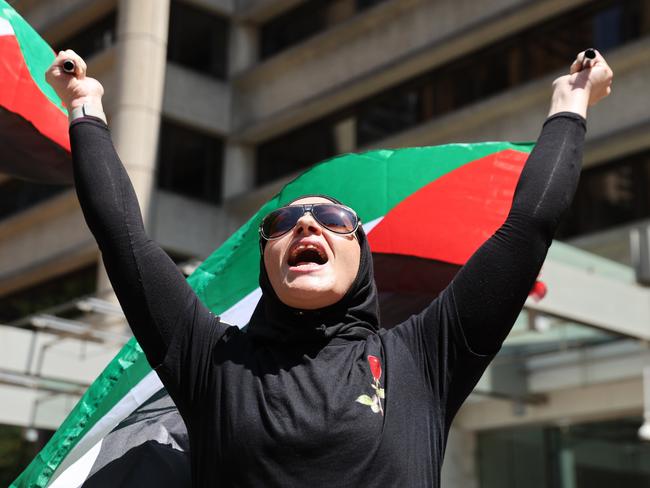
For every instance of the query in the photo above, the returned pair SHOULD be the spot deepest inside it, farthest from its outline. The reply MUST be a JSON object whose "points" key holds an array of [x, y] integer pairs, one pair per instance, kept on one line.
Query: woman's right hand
{"points": [[74, 89]]}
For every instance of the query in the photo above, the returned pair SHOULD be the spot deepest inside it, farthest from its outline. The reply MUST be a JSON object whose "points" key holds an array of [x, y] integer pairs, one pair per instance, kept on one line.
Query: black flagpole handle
{"points": [[69, 66], [589, 55]]}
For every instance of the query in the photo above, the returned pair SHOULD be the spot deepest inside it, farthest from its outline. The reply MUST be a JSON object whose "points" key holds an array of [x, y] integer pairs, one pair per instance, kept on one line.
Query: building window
{"points": [[190, 162], [390, 113], [299, 149], [307, 20], [198, 40], [93, 38], [521, 58], [494, 69], [50, 293], [18, 195], [591, 455], [609, 195]]}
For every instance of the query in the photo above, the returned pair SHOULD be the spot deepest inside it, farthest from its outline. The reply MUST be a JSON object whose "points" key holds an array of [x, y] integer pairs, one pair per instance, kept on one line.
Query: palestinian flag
{"points": [[426, 210], [34, 141]]}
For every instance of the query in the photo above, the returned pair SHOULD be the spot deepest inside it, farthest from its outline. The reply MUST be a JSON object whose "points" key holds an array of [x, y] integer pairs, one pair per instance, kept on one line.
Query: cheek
{"points": [[349, 263], [272, 259]]}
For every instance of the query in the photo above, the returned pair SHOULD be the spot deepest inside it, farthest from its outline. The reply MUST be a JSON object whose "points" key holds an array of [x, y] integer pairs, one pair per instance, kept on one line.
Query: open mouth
{"points": [[307, 254]]}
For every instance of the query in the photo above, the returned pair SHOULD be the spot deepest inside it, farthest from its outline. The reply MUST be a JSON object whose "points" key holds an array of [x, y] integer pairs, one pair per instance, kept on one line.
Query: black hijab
{"points": [[355, 316]]}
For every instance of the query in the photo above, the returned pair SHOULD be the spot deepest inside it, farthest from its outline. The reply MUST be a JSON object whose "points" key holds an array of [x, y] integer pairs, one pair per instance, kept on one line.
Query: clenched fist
{"points": [[588, 82], [74, 89]]}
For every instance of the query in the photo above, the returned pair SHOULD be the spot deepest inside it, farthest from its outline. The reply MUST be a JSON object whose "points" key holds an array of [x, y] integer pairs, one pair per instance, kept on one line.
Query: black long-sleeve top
{"points": [[270, 415]]}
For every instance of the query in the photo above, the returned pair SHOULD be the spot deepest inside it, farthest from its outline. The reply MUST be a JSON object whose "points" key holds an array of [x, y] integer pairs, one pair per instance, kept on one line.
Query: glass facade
{"points": [[295, 150], [198, 40], [605, 454], [190, 162], [18, 195], [306, 20]]}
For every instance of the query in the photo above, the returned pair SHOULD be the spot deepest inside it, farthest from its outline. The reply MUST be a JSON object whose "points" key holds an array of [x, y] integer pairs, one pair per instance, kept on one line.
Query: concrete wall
{"points": [[48, 239], [55, 357], [188, 226], [576, 404], [208, 105]]}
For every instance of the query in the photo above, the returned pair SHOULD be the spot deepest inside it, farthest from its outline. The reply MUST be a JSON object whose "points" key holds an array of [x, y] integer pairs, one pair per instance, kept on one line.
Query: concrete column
{"points": [[243, 47], [238, 169], [459, 467], [141, 53], [568, 468], [239, 159], [345, 135]]}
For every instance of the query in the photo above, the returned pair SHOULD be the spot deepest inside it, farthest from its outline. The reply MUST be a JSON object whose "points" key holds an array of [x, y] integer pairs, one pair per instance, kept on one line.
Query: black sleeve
{"points": [[490, 290], [462, 330], [159, 305]]}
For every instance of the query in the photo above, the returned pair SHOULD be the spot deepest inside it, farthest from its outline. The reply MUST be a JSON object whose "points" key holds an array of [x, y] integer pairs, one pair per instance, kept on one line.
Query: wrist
{"points": [[569, 97], [91, 107], [94, 101]]}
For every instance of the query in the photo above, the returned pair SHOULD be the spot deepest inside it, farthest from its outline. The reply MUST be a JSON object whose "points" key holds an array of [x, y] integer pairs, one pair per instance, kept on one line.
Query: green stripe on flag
{"points": [[37, 53]]}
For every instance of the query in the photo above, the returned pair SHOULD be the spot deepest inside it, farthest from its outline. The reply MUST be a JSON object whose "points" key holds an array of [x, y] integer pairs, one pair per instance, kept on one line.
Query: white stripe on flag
{"points": [[75, 475], [5, 28], [240, 313], [139, 394], [368, 226]]}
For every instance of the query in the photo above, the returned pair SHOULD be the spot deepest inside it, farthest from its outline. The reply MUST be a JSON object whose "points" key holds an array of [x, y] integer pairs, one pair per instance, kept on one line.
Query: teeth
{"points": [[307, 247]]}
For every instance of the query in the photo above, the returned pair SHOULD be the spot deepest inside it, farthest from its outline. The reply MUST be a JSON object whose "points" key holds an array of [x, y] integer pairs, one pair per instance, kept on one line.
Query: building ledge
{"points": [[259, 124]]}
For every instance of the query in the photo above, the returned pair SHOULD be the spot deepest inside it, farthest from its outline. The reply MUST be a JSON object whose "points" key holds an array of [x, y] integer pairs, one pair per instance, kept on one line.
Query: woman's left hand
{"points": [[588, 82]]}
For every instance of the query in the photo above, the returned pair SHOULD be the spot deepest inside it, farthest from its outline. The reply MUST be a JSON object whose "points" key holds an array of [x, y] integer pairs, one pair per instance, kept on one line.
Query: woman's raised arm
{"points": [[157, 301], [490, 290], [455, 338]]}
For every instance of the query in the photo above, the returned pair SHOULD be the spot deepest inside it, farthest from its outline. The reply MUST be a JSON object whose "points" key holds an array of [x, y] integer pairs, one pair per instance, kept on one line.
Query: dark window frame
{"points": [[305, 21], [48, 293], [208, 186], [18, 195], [203, 48]]}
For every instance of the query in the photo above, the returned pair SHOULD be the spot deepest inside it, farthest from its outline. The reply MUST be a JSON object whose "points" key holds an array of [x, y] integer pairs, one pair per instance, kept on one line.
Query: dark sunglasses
{"points": [[335, 218]]}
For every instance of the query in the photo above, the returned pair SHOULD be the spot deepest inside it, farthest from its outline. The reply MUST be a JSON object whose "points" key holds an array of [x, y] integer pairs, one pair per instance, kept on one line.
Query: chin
{"points": [[309, 294]]}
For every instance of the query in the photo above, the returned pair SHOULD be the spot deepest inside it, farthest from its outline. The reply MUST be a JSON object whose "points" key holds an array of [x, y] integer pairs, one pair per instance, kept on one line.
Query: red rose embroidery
{"points": [[375, 367], [374, 401]]}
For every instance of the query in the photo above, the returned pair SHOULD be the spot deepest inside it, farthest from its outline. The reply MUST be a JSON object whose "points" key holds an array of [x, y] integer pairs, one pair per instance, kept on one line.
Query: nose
{"points": [[308, 225]]}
